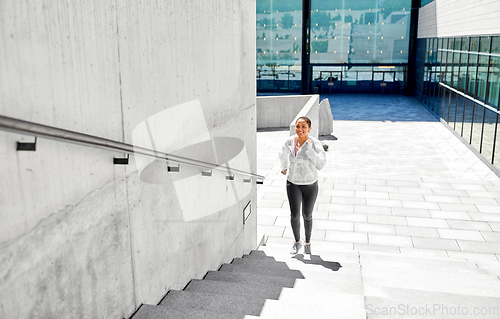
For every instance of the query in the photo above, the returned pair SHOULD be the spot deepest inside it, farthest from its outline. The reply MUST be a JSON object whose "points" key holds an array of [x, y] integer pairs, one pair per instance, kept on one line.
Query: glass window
{"points": [[368, 31], [474, 44], [449, 63], [465, 44], [484, 46], [477, 126], [482, 75], [494, 82], [471, 79], [490, 122], [462, 76], [455, 69], [495, 45], [279, 45]]}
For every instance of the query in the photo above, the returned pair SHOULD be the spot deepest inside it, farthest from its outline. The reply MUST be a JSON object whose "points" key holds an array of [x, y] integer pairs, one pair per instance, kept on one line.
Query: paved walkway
{"points": [[404, 202]]}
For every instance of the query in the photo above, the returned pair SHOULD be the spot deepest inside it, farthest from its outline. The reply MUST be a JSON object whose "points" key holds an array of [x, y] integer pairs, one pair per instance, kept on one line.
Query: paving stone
{"points": [[483, 194], [388, 220], [479, 247], [348, 200], [415, 212], [413, 190], [426, 222], [485, 217], [474, 257], [458, 207], [468, 224], [417, 231], [493, 209], [383, 202], [370, 210], [461, 234], [435, 185], [425, 253], [449, 192], [445, 214], [349, 237], [347, 217], [389, 240], [337, 193], [420, 205], [376, 248], [406, 197], [435, 243], [334, 225], [480, 201], [374, 228], [366, 194], [336, 208]]}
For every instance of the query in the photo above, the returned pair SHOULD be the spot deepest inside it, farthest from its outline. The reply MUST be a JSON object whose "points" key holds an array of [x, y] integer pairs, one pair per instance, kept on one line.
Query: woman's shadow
{"points": [[317, 260]]}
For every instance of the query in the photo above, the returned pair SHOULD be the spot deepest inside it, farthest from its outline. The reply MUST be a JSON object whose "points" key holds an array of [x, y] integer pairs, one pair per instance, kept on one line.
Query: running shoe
{"points": [[307, 248], [295, 248]]}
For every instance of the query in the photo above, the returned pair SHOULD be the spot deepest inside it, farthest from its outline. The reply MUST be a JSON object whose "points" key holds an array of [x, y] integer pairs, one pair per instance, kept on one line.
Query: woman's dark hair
{"points": [[305, 118]]}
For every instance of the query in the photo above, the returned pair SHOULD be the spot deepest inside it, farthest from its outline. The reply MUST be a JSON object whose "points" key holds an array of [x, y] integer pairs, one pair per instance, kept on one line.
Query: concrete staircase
{"points": [[333, 283], [234, 291]]}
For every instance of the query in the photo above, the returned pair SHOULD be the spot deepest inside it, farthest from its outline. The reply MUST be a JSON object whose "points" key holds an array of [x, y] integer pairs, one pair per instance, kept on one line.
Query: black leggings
{"points": [[307, 195]]}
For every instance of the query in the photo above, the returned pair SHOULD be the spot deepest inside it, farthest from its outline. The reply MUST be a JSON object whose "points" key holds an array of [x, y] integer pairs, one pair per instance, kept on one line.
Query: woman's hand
{"points": [[309, 144], [284, 172]]}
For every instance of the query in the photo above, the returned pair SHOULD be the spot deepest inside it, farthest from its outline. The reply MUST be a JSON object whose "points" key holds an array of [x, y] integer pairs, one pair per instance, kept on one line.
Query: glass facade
{"points": [[279, 45], [352, 46], [460, 83]]}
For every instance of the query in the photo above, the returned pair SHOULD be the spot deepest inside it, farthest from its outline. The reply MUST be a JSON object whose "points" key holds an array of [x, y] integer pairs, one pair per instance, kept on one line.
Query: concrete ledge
{"points": [[283, 111]]}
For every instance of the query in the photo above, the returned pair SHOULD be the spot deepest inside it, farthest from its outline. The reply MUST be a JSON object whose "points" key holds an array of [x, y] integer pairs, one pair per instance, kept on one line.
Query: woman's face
{"points": [[301, 128]]}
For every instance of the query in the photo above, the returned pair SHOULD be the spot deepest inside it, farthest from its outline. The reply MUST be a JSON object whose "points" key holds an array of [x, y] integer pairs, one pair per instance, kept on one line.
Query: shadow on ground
{"points": [[317, 260]]}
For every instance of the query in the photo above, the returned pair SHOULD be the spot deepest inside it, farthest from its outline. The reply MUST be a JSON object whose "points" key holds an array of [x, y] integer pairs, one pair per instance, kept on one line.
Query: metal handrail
{"points": [[58, 134]]}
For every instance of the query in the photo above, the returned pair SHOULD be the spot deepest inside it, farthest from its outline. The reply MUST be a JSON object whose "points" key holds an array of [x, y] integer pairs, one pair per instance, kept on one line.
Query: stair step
{"points": [[257, 253], [234, 304], [249, 278], [264, 263], [157, 312], [267, 291], [262, 271]]}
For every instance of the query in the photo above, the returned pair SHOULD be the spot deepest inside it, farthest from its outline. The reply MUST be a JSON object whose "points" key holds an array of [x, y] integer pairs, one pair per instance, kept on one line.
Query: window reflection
{"points": [[494, 82], [279, 45], [361, 32]]}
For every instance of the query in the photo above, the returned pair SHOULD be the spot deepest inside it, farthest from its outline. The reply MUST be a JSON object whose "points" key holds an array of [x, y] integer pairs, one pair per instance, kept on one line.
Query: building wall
{"points": [[81, 237], [455, 18]]}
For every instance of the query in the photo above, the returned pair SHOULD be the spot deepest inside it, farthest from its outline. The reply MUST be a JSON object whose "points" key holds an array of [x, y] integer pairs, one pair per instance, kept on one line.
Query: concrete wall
{"points": [[283, 111], [81, 237], [279, 111], [310, 110], [451, 18]]}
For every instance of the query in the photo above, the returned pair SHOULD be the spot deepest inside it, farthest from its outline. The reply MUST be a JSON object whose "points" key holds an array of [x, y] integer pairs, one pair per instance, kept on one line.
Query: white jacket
{"points": [[303, 167]]}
